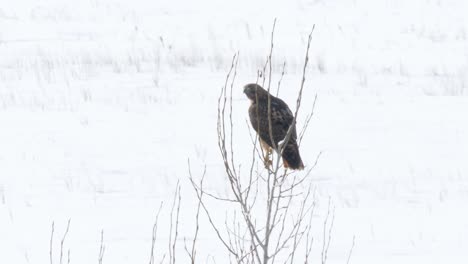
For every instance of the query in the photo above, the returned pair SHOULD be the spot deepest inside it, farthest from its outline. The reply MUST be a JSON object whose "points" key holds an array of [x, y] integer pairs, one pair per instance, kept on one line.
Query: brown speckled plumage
{"points": [[281, 119]]}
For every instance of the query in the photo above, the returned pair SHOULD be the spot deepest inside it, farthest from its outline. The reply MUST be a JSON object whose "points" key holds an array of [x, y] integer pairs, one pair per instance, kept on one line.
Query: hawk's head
{"points": [[254, 91]]}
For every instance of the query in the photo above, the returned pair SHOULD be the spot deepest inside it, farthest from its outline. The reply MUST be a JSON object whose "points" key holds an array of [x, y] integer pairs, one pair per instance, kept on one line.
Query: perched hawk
{"points": [[281, 119]]}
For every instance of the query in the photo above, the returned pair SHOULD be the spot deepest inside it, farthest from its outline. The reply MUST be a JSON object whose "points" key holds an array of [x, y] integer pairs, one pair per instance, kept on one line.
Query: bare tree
{"points": [[273, 206]]}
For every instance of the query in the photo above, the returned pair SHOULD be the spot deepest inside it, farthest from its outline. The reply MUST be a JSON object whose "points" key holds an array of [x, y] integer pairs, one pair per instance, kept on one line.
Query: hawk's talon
{"points": [[267, 162]]}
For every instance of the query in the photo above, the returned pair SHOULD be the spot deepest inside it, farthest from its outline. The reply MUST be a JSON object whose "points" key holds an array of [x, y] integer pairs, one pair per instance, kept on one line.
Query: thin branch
{"points": [[351, 251], [270, 129], [230, 115], [154, 234], [163, 258], [326, 242], [176, 202], [281, 79], [63, 240], [218, 233], [309, 238], [192, 253], [51, 243], [210, 194], [299, 97], [306, 124], [102, 248]]}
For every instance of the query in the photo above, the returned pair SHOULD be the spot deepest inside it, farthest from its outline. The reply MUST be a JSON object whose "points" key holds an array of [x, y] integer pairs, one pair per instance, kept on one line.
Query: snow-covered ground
{"points": [[103, 102]]}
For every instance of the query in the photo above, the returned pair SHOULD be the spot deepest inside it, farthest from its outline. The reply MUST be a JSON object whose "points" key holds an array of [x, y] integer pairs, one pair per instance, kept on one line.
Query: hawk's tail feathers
{"points": [[291, 157]]}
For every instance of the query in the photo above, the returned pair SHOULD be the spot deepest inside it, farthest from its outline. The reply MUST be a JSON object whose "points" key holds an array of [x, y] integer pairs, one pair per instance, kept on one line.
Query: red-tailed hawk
{"points": [[281, 119]]}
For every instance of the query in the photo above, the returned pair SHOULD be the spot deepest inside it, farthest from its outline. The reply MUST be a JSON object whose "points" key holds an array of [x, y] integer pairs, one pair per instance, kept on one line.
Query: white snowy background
{"points": [[102, 102]]}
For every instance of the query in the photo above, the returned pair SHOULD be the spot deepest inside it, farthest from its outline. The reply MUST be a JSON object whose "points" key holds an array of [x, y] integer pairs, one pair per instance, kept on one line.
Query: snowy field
{"points": [[103, 102]]}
